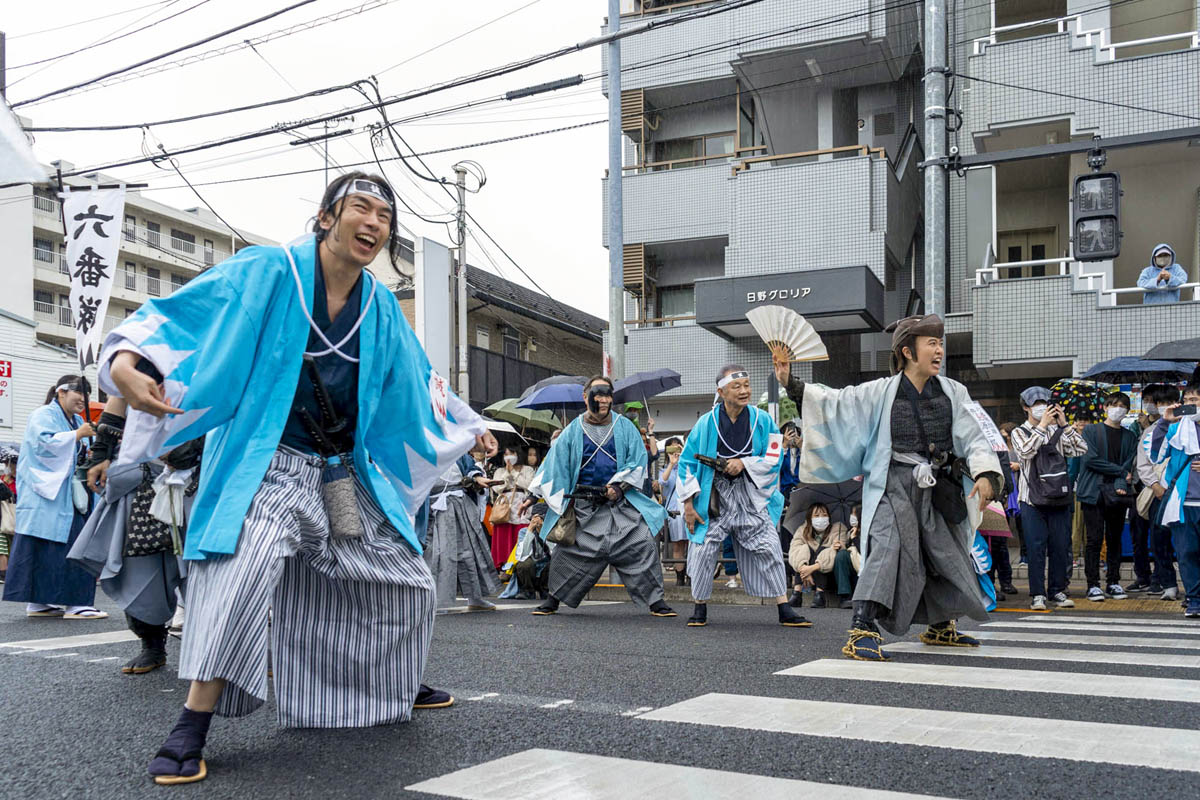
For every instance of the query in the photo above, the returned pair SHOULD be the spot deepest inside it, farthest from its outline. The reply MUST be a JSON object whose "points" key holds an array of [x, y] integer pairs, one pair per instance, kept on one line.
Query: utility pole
{"points": [[463, 386], [936, 178], [3, 71], [616, 228]]}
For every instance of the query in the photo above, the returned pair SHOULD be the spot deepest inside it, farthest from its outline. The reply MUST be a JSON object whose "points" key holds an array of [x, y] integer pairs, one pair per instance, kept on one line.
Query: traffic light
{"points": [[1096, 216]]}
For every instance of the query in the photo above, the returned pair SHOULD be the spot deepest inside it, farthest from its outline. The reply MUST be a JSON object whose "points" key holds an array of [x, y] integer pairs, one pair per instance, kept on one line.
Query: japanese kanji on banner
{"points": [[93, 221]]}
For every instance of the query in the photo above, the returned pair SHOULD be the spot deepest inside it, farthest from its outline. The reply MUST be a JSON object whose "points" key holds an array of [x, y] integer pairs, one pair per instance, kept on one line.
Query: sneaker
{"points": [[1170, 594], [732, 583], [1095, 594], [1154, 589], [846, 601], [1039, 603], [1116, 592], [1193, 609], [1008, 588], [1062, 601], [1022, 562]]}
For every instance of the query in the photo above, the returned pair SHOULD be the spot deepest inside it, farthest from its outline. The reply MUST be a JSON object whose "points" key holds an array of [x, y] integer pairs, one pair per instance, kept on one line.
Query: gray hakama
{"points": [[607, 534], [458, 552], [351, 619], [755, 543], [144, 587], [916, 567]]}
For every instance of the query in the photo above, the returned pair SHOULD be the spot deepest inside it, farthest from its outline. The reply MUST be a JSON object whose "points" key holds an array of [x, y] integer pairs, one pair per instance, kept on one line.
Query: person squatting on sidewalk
{"points": [[591, 482], [729, 485], [914, 439], [327, 427]]}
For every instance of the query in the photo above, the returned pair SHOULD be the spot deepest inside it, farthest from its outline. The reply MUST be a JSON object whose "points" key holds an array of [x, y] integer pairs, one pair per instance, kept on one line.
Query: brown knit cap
{"points": [[930, 325]]}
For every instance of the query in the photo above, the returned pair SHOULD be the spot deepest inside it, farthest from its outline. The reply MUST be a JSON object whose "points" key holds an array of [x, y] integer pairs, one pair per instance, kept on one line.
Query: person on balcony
{"points": [[1163, 277]]}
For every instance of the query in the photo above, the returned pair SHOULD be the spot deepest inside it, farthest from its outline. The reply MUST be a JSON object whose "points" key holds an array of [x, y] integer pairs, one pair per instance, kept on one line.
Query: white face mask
{"points": [[853, 521], [820, 523], [1150, 409], [1038, 411], [1116, 414], [510, 460]]}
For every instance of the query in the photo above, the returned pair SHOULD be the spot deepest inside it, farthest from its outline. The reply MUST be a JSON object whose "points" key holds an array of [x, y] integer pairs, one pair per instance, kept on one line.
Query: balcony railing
{"points": [[1084, 281], [641, 8], [45, 204], [1099, 37], [123, 280], [836, 152], [48, 312]]}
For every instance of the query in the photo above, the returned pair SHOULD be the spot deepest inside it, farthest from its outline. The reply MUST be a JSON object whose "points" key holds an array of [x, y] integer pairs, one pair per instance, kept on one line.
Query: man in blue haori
{"points": [[921, 445], [729, 485], [326, 429], [597, 514]]}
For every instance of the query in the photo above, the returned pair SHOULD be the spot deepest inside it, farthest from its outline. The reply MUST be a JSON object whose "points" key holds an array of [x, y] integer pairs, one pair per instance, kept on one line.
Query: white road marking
{"points": [[485, 696], [1053, 654], [558, 775], [62, 655], [1099, 742], [106, 658], [635, 712], [1082, 683], [520, 606], [1177, 619], [1093, 628], [1069, 638], [82, 640], [558, 704]]}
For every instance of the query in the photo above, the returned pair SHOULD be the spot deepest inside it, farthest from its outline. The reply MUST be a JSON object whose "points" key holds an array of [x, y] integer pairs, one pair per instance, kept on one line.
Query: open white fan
{"points": [[789, 336]]}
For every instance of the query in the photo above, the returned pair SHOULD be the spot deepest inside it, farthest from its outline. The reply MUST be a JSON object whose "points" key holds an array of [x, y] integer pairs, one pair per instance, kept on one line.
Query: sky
{"points": [[542, 200]]}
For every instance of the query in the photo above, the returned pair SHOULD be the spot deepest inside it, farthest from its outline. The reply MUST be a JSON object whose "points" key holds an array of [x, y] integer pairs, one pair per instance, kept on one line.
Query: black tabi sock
{"points": [[185, 743]]}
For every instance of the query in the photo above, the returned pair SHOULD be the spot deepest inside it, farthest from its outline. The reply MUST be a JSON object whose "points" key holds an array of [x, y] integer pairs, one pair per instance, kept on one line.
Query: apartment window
{"points": [[153, 234], [512, 346], [693, 151], [483, 337], [43, 301], [675, 302], [64, 311], [176, 281], [153, 287], [62, 259], [43, 250], [209, 253], [183, 241], [130, 228], [131, 276]]}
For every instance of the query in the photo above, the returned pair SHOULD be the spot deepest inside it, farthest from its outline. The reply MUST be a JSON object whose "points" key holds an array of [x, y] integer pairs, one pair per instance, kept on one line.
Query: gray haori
{"points": [[755, 544], [348, 621], [607, 534]]}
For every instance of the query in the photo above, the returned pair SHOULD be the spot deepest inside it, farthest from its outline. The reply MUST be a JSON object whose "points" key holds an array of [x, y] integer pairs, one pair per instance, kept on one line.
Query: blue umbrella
{"points": [[642, 385], [1128, 369], [555, 396]]}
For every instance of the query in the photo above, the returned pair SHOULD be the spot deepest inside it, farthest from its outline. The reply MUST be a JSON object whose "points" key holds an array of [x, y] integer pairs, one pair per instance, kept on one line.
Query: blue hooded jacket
{"points": [[1159, 291]]}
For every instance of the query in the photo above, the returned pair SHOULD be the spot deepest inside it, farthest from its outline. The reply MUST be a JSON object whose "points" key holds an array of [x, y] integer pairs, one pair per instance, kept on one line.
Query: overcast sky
{"points": [[542, 201]]}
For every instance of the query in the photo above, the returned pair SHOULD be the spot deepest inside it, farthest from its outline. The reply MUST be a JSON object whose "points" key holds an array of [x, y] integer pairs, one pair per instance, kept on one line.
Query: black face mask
{"points": [[597, 390]]}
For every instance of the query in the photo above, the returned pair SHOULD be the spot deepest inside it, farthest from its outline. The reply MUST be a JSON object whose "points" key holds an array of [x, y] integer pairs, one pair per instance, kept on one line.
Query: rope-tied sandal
{"points": [[947, 635], [864, 645]]}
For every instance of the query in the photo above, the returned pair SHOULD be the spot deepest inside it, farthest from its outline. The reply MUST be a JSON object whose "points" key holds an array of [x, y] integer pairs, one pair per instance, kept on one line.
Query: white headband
{"points": [[69, 387], [360, 186], [730, 378]]}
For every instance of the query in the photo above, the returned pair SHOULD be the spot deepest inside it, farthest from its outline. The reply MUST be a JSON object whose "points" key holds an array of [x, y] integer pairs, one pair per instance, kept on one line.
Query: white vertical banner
{"points": [[93, 220]]}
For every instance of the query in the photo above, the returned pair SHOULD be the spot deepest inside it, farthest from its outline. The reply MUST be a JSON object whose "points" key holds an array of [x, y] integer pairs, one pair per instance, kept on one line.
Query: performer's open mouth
{"points": [[366, 240]]}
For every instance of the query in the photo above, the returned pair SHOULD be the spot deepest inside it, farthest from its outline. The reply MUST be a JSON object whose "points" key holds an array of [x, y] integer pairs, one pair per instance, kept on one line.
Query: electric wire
{"points": [[455, 38], [57, 28]]}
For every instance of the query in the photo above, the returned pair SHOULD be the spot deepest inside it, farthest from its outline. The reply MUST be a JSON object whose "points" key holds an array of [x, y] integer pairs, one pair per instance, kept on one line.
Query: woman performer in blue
{"points": [[286, 356], [52, 507], [917, 441]]}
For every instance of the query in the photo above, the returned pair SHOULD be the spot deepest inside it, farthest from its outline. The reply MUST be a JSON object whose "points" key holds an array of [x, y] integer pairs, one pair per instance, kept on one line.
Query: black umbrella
{"points": [[839, 498], [642, 385], [1179, 350], [1128, 369]]}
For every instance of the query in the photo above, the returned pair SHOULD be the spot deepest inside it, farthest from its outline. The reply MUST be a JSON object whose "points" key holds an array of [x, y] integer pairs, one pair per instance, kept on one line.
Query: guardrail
{"points": [[1086, 281], [860, 149]]}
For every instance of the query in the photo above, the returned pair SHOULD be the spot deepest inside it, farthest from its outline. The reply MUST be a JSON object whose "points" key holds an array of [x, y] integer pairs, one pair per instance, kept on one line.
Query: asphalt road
{"points": [[74, 726]]}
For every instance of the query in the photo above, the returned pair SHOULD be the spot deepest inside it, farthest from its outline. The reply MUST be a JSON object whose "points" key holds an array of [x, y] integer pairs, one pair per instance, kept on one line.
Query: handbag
{"points": [[502, 508], [1108, 491], [145, 535], [8, 517], [563, 531]]}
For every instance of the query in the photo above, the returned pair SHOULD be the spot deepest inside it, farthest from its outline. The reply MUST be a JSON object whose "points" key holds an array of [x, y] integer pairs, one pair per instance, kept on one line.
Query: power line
{"points": [[161, 56], [456, 38], [110, 40], [86, 21]]}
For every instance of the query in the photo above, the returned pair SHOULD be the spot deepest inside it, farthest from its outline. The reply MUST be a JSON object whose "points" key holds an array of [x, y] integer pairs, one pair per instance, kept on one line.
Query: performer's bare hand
{"points": [[487, 442], [734, 467], [690, 517], [97, 476], [614, 493], [983, 488], [783, 371], [85, 430], [139, 389]]}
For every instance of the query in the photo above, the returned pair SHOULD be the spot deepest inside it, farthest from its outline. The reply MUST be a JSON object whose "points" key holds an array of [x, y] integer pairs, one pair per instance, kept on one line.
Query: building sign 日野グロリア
{"points": [[770, 295]]}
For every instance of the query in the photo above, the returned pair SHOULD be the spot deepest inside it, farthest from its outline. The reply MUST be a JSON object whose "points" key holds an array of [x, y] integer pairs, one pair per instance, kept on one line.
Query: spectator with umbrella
{"points": [[815, 549], [839, 499]]}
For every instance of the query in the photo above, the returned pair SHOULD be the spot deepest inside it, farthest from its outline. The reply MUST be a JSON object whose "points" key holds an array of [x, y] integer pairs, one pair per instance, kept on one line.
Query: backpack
{"points": [[1049, 485]]}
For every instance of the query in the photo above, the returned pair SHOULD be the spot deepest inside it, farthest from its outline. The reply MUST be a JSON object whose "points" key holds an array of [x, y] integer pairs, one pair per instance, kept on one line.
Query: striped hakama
{"points": [[350, 619], [755, 544], [607, 534]]}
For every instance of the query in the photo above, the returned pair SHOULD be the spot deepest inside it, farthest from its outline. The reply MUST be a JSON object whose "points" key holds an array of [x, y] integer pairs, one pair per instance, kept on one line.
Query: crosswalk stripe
{"points": [[525, 606], [83, 640], [1115, 627], [1024, 680], [1074, 638], [1100, 742], [1090, 620], [1053, 654], [539, 774]]}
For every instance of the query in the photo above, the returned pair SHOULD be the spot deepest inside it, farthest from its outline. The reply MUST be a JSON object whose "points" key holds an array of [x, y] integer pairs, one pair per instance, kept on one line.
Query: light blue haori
{"points": [[559, 473], [762, 466], [44, 474], [230, 344], [848, 432]]}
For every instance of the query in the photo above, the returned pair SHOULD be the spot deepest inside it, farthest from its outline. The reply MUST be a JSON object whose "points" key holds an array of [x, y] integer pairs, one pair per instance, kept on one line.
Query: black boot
{"points": [[699, 617], [154, 647], [547, 608], [790, 619], [797, 599], [819, 600], [181, 759]]}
